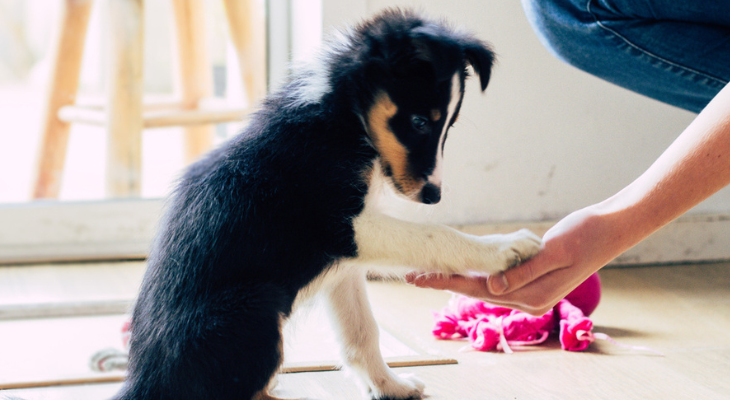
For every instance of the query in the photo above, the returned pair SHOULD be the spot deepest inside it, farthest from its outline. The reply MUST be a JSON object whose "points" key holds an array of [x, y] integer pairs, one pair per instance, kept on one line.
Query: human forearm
{"points": [[694, 167]]}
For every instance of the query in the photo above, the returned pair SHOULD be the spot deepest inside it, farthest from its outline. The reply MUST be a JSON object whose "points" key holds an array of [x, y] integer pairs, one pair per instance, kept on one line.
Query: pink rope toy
{"points": [[490, 327]]}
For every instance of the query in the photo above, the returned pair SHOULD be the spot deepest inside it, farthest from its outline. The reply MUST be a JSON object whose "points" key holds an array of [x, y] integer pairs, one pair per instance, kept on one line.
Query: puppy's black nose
{"points": [[430, 194]]}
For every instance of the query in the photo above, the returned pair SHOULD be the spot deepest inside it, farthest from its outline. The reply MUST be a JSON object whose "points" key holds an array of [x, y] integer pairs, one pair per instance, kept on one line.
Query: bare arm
{"points": [[694, 167]]}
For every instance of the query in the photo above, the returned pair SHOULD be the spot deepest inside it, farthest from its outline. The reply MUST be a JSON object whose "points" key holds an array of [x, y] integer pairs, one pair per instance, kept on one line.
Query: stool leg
{"points": [[195, 78], [248, 34], [67, 54], [124, 103]]}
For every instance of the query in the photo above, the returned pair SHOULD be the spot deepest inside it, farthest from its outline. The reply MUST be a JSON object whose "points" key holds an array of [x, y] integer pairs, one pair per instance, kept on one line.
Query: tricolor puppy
{"points": [[286, 210]]}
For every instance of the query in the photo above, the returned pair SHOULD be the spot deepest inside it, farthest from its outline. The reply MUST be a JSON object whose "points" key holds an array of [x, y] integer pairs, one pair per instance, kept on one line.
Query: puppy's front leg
{"points": [[358, 332], [389, 241]]}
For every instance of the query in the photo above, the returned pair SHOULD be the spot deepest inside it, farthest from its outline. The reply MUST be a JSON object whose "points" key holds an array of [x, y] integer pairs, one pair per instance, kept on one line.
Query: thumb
{"points": [[523, 274]]}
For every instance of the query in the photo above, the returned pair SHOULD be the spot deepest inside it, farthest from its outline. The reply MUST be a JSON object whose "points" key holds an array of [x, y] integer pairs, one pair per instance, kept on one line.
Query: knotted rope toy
{"points": [[490, 327]]}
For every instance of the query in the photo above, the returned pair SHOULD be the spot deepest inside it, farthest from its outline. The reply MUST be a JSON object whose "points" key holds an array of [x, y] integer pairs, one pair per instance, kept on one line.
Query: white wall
{"points": [[546, 139]]}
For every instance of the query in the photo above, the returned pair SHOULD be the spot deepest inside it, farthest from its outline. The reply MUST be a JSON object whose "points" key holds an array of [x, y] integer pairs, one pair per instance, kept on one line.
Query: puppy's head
{"points": [[416, 69]]}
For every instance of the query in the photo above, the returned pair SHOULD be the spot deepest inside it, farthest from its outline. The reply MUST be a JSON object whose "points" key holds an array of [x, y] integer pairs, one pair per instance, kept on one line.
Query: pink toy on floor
{"points": [[490, 327], [587, 295]]}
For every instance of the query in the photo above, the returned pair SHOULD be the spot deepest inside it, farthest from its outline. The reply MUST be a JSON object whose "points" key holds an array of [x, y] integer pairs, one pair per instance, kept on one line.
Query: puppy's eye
{"points": [[419, 123]]}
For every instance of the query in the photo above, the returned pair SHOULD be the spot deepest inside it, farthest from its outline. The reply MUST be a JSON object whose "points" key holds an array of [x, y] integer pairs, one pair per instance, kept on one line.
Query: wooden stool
{"points": [[124, 116]]}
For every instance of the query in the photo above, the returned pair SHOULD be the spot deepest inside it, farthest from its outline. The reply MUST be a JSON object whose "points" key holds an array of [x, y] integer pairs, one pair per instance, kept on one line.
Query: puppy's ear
{"points": [[481, 57], [432, 49]]}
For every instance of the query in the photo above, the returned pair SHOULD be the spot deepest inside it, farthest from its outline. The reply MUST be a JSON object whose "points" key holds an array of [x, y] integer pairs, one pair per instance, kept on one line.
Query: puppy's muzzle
{"points": [[430, 194]]}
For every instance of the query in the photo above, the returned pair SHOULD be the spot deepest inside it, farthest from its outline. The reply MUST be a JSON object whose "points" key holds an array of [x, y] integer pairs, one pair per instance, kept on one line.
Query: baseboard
{"points": [[691, 238], [109, 230], [77, 231]]}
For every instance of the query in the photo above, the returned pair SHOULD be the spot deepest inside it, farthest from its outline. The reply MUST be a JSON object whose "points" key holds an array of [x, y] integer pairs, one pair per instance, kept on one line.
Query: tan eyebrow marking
{"points": [[392, 152], [435, 114]]}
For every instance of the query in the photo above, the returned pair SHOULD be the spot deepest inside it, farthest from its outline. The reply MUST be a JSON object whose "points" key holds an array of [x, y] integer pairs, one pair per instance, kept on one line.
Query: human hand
{"points": [[573, 249]]}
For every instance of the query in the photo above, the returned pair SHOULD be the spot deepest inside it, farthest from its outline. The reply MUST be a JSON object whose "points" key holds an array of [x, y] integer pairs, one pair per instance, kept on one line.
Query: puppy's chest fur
{"points": [[377, 194]]}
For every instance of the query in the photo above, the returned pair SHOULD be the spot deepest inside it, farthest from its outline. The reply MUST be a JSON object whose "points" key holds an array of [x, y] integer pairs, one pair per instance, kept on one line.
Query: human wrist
{"points": [[615, 226]]}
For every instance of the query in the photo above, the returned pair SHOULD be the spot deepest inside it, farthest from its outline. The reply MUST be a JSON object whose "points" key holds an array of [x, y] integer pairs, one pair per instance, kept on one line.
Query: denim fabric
{"points": [[675, 51]]}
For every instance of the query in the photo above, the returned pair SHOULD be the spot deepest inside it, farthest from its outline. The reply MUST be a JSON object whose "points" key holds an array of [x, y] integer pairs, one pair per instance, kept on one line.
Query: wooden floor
{"points": [[681, 311]]}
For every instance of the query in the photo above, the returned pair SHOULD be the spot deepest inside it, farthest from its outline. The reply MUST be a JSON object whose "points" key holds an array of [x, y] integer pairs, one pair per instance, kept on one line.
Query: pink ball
{"points": [[587, 295]]}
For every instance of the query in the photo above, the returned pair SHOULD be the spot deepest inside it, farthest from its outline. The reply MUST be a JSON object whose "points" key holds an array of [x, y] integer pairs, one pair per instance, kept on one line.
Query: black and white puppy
{"points": [[286, 210]]}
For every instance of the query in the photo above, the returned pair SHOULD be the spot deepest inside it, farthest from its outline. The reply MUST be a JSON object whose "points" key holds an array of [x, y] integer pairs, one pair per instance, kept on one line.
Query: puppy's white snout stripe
{"points": [[435, 177]]}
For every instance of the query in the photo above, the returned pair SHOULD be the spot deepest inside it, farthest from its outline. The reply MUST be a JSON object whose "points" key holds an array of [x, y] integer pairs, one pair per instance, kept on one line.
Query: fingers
{"points": [[540, 295], [498, 284], [476, 287], [551, 258], [481, 286], [472, 286], [534, 286], [514, 278], [534, 298]]}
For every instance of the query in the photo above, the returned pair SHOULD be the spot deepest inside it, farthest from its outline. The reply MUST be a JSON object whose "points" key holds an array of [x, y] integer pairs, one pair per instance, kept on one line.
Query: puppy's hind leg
{"points": [[226, 346], [355, 325]]}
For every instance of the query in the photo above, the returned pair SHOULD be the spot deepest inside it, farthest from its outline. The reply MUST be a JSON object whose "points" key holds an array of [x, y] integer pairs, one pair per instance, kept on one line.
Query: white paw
{"points": [[404, 386], [518, 247]]}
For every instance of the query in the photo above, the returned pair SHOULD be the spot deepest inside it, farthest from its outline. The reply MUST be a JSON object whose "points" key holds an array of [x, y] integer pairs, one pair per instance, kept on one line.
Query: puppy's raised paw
{"points": [[503, 251], [519, 246], [398, 387]]}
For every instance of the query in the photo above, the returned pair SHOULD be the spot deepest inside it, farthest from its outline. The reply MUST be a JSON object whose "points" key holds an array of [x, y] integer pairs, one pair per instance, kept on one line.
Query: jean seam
{"points": [[648, 53]]}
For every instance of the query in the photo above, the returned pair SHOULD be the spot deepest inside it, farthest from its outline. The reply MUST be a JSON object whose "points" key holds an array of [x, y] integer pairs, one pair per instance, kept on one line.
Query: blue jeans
{"points": [[675, 51]]}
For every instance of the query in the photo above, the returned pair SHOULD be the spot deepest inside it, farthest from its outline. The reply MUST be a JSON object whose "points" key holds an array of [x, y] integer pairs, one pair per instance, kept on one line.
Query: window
{"points": [[84, 222]]}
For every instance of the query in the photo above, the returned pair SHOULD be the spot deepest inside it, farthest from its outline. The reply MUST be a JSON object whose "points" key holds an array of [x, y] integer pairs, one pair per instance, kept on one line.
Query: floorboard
{"points": [[681, 311]]}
